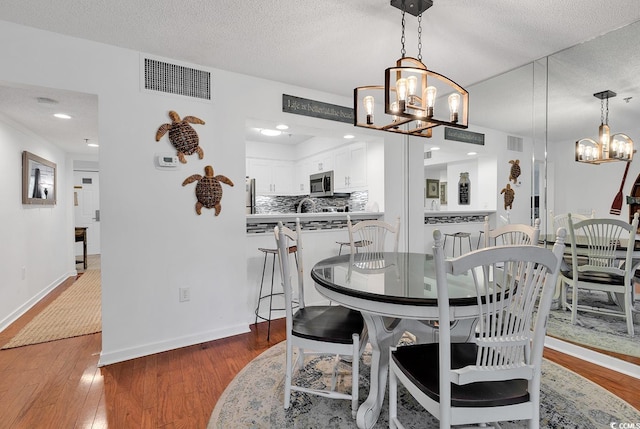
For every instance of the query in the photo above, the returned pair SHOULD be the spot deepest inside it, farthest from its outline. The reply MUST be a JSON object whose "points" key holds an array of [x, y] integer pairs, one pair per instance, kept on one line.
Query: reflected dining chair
{"points": [[375, 235], [496, 376], [598, 265], [511, 234], [317, 329]]}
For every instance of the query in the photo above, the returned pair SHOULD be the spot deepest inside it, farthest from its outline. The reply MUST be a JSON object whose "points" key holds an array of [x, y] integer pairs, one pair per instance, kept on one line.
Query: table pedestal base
{"points": [[385, 332]]}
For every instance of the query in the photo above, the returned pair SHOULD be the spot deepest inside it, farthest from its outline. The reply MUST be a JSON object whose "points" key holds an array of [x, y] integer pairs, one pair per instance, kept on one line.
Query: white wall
{"points": [[152, 240], [32, 236]]}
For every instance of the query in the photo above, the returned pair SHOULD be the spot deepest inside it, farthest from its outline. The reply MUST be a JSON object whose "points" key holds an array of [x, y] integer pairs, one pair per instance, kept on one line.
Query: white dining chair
{"points": [[318, 329], [496, 376], [596, 265]]}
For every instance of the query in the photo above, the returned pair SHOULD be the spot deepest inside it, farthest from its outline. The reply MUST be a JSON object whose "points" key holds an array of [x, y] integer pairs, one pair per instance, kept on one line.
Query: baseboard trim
{"points": [[176, 343], [18, 312], [594, 357]]}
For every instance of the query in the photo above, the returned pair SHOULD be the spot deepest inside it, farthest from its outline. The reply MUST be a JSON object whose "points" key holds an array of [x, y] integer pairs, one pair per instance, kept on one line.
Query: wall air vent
{"points": [[176, 79], [427, 154], [515, 144]]}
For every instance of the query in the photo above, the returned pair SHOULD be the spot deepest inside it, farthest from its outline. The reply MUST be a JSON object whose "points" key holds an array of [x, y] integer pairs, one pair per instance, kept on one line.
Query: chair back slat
{"points": [[511, 234]]}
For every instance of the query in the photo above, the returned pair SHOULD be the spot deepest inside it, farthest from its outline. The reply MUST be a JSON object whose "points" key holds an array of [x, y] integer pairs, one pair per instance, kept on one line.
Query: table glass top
{"points": [[391, 277]]}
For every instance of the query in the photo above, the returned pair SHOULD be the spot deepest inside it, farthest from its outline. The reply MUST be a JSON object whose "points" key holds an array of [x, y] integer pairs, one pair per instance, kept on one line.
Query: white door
{"points": [[86, 189]]}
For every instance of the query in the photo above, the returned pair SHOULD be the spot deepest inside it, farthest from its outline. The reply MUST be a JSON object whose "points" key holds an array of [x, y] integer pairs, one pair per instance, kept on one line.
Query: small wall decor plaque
{"points": [[464, 190], [208, 189], [433, 188], [182, 135]]}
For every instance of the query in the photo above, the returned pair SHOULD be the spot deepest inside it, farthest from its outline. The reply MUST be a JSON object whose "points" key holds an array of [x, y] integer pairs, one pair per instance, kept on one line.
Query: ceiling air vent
{"points": [[515, 144], [176, 79], [427, 154]]}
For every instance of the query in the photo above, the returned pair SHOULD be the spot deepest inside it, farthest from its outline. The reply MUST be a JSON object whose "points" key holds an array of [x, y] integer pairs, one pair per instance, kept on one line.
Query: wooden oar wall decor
{"points": [[616, 206]]}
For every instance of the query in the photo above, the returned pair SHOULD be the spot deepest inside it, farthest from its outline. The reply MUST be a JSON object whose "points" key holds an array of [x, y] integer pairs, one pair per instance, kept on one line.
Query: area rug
{"points": [[254, 399], [75, 312], [596, 330]]}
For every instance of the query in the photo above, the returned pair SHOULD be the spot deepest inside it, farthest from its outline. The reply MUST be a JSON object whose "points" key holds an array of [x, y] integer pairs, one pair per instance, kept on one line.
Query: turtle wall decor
{"points": [[182, 135], [509, 195], [515, 170], [208, 189]]}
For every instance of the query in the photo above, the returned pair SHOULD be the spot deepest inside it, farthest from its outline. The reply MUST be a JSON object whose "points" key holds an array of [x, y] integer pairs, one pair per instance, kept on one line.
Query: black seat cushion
{"points": [[595, 277], [335, 324], [421, 365]]}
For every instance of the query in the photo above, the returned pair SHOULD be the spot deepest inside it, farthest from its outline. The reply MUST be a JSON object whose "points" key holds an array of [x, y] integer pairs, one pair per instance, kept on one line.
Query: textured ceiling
{"points": [[331, 45]]}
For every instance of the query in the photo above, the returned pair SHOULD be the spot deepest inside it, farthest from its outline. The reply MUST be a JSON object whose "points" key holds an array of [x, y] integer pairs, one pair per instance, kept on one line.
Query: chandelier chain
{"points": [[607, 115], [420, 37], [402, 39]]}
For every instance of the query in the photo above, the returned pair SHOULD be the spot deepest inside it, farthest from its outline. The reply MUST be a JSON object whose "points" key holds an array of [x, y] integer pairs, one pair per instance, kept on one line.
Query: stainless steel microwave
{"points": [[321, 184]]}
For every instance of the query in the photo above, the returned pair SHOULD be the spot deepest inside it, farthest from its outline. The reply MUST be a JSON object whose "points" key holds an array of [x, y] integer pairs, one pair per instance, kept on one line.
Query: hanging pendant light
{"points": [[410, 91], [608, 148]]}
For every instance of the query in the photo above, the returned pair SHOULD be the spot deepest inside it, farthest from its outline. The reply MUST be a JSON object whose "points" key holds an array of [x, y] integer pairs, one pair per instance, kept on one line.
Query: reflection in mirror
{"points": [[545, 107]]}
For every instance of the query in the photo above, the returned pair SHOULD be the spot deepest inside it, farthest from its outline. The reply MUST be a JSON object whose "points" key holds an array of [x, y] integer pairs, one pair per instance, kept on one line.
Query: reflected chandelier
{"points": [[410, 91], [608, 148]]}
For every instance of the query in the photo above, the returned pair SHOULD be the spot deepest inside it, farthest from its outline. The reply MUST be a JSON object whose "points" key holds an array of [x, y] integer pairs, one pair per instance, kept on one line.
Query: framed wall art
{"points": [[433, 188], [38, 180], [443, 193]]}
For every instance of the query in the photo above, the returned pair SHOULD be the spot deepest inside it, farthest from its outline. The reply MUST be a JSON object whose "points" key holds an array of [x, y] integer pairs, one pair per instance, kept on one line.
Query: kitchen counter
{"points": [[262, 223], [432, 217]]}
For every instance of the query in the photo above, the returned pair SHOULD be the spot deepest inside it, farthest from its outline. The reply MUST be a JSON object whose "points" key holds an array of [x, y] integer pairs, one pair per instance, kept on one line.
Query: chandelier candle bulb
{"points": [[401, 91], [430, 95], [368, 107], [454, 103]]}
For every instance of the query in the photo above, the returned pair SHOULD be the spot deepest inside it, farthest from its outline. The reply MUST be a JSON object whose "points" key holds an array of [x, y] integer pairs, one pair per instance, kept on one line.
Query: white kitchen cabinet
{"points": [[322, 162], [272, 177], [350, 167]]}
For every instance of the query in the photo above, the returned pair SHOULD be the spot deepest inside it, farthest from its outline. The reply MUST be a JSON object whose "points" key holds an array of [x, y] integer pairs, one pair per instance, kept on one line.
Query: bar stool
{"points": [[457, 236], [479, 239], [271, 294]]}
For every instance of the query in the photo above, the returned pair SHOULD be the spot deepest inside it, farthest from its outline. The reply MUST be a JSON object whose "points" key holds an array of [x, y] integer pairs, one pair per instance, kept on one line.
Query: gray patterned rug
{"points": [[596, 330], [255, 396]]}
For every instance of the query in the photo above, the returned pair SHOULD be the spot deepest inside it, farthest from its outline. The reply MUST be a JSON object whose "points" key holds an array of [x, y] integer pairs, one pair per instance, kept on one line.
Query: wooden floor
{"points": [[58, 384]]}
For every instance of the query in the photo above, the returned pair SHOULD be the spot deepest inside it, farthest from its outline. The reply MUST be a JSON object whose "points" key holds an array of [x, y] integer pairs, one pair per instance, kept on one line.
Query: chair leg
{"points": [[288, 375], [355, 375], [628, 310], [574, 305], [393, 395]]}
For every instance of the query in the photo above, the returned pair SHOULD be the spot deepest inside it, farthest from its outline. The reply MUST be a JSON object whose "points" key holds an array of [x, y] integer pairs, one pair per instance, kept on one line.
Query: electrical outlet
{"points": [[185, 294]]}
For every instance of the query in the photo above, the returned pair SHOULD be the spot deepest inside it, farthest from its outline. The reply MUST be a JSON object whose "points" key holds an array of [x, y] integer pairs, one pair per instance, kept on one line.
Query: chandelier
{"points": [[608, 148], [410, 92]]}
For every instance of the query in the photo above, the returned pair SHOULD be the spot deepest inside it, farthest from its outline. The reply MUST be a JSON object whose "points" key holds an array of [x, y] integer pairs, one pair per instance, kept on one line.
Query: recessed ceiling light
{"points": [[270, 133], [435, 148], [472, 153], [349, 136], [62, 116], [282, 127], [93, 145]]}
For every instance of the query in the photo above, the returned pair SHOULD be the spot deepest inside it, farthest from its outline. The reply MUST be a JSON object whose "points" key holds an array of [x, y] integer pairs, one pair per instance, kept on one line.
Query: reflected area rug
{"points": [[596, 330], [255, 396]]}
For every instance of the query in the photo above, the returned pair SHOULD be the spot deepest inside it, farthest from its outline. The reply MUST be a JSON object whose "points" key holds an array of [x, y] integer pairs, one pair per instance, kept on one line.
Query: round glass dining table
{"points": [[395, 292]]}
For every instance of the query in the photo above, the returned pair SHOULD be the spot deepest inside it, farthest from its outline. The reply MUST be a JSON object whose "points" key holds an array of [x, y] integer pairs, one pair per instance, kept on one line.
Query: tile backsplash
{"points": [[356, 201]]}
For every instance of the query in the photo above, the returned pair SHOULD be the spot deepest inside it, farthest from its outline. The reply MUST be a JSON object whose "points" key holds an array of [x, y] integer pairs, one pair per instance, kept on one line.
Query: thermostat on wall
{"points": [[166, 161]]}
